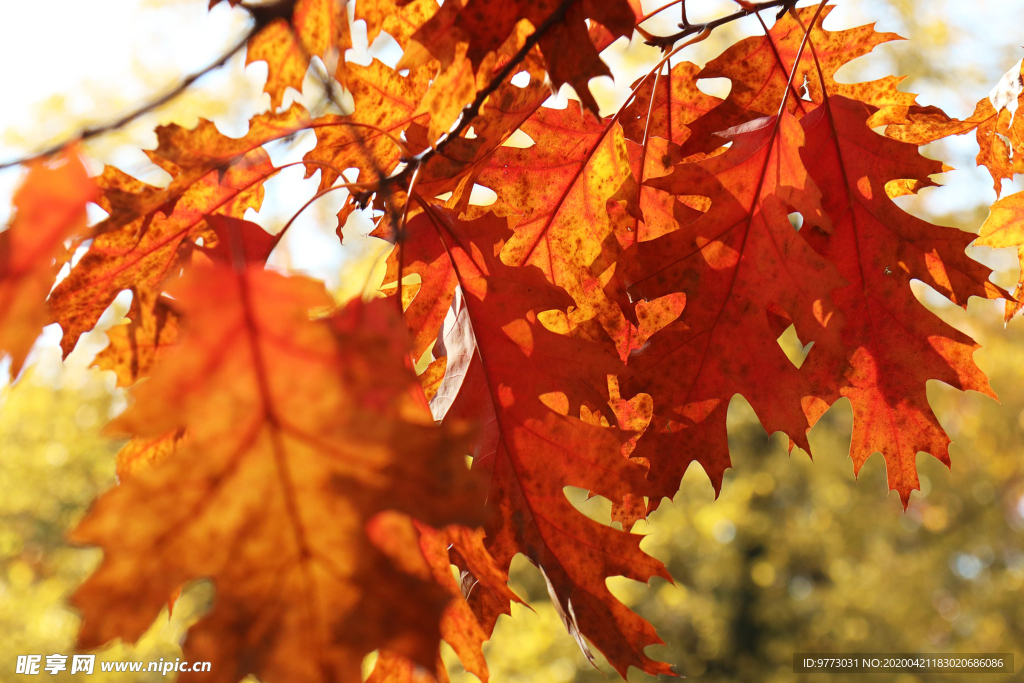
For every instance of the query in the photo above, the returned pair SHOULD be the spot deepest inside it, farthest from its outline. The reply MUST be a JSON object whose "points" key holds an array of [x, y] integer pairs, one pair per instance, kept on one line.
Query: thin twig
{"points": [[662, 9], [144, 109], [688, 29], [262, 15]]}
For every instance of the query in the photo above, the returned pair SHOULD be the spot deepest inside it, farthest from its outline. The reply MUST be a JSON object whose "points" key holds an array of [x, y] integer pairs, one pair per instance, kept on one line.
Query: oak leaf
{"points": [[998, 129], [400, 19], [759, 69], [369, 138], [455, 167], [49, 208], [152, 231], [1000, 133], [736, 263], [893, 345], [557, 193], [316, 28], [460, 628], [655, 123], [473, 29], [150, 330], [1004, 227], [531, 451], [292, 422]]}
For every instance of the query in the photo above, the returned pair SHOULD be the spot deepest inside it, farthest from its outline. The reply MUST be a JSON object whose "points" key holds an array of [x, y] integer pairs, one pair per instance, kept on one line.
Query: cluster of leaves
{"points": [[587, 329]]}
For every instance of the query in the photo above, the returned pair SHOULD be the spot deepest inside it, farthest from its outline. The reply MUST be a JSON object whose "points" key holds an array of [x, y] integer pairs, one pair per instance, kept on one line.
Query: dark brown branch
{"points": [[688, 29]]}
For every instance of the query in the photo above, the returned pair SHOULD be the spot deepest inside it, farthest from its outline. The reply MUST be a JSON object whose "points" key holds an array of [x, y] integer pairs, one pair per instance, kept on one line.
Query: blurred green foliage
{"points": [[53, 462]]}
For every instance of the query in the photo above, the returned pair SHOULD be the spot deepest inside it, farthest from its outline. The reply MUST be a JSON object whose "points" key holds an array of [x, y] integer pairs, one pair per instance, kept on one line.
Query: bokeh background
{"points": [[794, 555]]}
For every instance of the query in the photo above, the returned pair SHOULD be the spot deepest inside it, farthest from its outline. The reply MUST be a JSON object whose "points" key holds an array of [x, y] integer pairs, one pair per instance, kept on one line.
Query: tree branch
{"points": [[472, 110], [688, 29], [144, 109]]}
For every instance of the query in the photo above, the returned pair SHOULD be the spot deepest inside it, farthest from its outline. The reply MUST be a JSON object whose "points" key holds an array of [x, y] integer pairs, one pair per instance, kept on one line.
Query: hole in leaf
{"points": [[716, 87], [794, 349], [521, 79], [805, 90], [519, 139], [386, 49], [796, 220], [482, 196]]}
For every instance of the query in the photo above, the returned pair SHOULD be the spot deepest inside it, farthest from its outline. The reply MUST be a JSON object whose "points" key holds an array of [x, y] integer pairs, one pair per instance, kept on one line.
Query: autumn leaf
{"points": [[148, 251], [737, 263], [1000, 134], [482, 27], [460, 628], [655, 123], [151, 232], [998, 130], [369, 138], [759, 69], [291, 422], [189, 154], [393, 668], [317, 28], [421, 253], [49, 208], [893, 345], [556, 194], [531, 450], [1004, 227], [400, 19], [455, 168], [150, 330], [145, 452]]}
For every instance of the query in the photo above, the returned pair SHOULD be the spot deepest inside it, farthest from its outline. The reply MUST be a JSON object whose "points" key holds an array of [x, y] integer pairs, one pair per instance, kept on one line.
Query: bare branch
{"points": [[144, 109], [688, 29]]}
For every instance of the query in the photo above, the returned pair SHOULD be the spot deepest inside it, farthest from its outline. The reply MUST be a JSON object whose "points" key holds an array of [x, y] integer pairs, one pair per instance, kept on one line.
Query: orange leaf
{"points": [[151, 231], [569, 51], [318, 28], [891, 343], [369, 138], [759, 68], [150, 331], [532, 452], [1004, 227], [557, 194], [460, 628], [300, 432], [735, 263], [999, 131], [49, 209], [655, 124]]}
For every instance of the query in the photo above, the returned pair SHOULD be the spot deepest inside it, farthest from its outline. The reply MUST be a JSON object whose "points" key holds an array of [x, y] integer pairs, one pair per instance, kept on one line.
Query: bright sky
{"points": [[69, 64]]}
